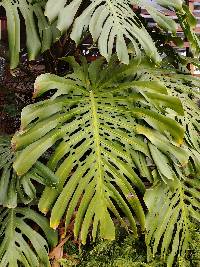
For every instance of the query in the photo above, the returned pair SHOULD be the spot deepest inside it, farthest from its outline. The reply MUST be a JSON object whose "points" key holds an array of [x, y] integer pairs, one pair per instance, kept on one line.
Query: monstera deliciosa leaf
{"points": [[174, 206], [14, 189], [98, 124], [20, 244], [112, 20], [39, 36], [171, 212], [186, 88]]}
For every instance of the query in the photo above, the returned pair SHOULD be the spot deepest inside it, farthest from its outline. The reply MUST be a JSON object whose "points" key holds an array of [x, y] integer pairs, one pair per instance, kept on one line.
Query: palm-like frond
{"points": [[15, 189], [99, 124], [21, 245], [169, 220], [37, 40], [112, 20]]}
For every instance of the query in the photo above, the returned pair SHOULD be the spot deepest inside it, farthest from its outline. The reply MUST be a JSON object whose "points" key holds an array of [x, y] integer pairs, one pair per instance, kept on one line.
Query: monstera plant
{"points": [[111, 23], [106, 139], [112, 127], [39, 32], [16, 227], [121, 134]]}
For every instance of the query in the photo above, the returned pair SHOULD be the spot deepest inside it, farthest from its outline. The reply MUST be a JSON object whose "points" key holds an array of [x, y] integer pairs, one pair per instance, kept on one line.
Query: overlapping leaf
{"points": [[112, 20], [14, 189], [169, 220], [37, 41], [98, 123], [186, 88], [8, 195], [171, 209], [21, 245]]}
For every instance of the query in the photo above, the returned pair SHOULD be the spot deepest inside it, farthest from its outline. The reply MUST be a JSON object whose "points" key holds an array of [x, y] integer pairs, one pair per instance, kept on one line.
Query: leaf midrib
{"points": [[97, 142]]}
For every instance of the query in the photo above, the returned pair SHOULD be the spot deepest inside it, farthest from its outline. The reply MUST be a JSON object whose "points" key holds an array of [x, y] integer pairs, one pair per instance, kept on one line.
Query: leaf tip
{"points": [[44, 211], [54, 225]]}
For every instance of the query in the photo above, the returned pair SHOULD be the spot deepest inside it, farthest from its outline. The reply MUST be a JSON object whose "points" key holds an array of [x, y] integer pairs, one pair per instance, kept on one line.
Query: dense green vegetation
{"points": [[105, 168], [124, 251]]}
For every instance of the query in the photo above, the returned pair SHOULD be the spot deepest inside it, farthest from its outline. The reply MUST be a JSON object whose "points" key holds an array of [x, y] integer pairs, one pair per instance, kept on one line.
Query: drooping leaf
{"points": [[36, 40], [169, 219], [21, 245], [14, 189], [111, 23]]}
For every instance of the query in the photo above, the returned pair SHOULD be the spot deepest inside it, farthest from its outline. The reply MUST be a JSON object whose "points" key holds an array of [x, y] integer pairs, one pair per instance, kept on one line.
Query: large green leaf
{"points": [[169, 219], [186, 88], [97, 122], [21, 245], [109, 21], [39, 36], [171, 210], [183, 86], [188, 93]]}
